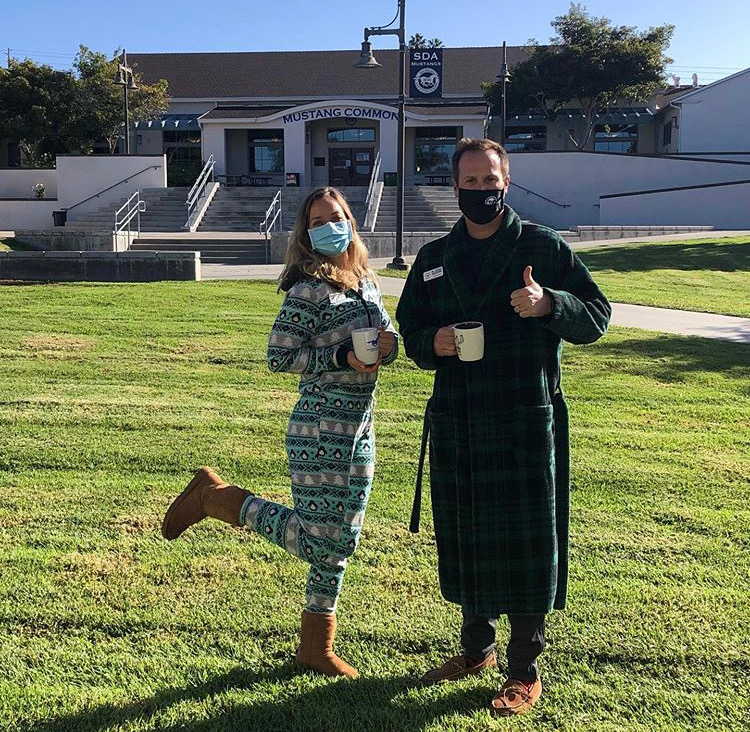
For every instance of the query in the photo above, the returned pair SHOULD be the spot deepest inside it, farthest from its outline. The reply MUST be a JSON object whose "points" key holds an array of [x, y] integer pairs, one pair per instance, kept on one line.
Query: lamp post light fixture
{"points": [[504, 78], [367, 61], [124, 78]]}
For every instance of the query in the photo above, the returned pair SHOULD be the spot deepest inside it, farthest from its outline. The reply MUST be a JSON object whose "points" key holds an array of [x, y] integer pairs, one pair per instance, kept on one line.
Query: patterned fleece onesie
{"points": [[330, 441]]}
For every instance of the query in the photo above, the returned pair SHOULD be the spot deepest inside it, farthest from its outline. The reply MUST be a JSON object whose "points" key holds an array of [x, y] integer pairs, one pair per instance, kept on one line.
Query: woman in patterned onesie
{"points": [[330, 292]]}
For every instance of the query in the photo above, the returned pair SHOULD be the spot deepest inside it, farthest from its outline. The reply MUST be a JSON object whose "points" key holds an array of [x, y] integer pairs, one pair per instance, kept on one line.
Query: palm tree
{"points": [[419, 41]]}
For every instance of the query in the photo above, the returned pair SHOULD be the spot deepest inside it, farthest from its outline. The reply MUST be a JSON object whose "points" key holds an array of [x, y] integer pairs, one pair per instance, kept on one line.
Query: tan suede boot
{"points": [[205, 495], [316, 646]]}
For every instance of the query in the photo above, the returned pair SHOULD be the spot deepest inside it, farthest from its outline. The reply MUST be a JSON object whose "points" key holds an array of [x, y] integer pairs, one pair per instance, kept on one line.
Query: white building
{"points": [[310, 114], [713, 119]]}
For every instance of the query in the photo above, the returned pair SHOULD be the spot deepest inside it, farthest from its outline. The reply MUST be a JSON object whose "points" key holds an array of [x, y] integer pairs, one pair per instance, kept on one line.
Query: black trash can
{"points": [[59, 217], [390, 179]]}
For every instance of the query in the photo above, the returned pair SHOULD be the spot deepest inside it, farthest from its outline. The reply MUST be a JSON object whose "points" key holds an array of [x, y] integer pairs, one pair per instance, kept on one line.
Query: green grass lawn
{"points": [[707, 275], [112, 394], [711, 275], [399, 273]]}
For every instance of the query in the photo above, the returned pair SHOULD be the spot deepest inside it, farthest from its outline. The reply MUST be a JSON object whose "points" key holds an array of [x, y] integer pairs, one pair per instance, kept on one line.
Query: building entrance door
{"points": [[350, 166]]}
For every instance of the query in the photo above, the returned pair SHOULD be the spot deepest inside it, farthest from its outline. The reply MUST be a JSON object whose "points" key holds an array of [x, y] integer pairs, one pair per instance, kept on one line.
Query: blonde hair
{"points": [[302, 260]]}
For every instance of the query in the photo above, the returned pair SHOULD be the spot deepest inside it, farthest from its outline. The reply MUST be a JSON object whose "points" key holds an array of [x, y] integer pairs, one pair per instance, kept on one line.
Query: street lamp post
{"points": [[504, 78], [124, 77], [367, 61]]}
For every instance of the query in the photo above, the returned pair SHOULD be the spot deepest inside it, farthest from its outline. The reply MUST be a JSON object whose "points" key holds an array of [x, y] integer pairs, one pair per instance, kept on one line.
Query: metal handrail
{"points": [[370, 199], [133, 211], [114, 185], [539, 195], [273, 214], [199, 187]]}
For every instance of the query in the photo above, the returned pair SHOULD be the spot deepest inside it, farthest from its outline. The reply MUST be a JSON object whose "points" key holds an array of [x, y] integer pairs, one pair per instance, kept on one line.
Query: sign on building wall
{"points": [[343, 112], [425, 73]]}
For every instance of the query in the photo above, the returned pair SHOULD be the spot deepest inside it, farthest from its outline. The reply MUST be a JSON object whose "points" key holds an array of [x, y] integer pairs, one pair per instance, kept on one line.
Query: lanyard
{"points": [[364, 305]]}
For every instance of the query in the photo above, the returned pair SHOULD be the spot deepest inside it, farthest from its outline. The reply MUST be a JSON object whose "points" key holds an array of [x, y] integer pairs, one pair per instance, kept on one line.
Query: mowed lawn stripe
{"points": [[112, 394]]}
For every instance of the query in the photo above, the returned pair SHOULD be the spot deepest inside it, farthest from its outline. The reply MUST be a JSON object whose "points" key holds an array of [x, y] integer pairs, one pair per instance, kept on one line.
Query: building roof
{"points": [[310, 74], [663, 97], [713, 85]]}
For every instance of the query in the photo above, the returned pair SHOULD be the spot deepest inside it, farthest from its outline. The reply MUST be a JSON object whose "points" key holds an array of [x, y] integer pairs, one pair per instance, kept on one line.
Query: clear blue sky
{"points": [[710, 37]]}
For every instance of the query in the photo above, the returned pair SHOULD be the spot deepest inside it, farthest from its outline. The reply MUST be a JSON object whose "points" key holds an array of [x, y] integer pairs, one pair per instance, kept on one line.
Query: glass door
{"points": [[350, 166]]}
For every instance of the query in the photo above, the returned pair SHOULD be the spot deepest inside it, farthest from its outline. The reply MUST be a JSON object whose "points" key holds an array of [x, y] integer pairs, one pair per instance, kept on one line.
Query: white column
{"points": [[212, 142], [294, 150], [474, 128], [388, 146]]}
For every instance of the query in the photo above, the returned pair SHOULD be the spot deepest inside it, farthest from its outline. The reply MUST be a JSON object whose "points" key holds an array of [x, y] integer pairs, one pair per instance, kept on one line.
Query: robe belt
{"points": [[417, 505]]}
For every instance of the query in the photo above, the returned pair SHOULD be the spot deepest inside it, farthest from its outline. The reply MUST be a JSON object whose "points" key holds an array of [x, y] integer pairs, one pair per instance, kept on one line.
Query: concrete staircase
{"points": [[243, 209], [165, 211], [228, 232], [237, 209], [426, 208], [214, 250]]}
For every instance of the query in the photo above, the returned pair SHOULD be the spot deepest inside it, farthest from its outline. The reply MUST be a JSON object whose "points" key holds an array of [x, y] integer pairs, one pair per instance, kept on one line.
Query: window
{"points": [[434, 148], [191, 137], [352, 134], [437, 133], [266, 151], [616, 138], [530, 137], [666, 135], [182, 155], [183, 164]]}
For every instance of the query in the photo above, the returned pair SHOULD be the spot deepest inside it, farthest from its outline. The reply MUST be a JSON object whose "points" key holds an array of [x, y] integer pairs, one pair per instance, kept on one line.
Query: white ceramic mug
{"points": [[469, 340], [365, 342]]}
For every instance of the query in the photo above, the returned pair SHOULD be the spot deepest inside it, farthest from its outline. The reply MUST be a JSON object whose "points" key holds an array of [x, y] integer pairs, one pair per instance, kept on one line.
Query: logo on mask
{"points": [[427, 80], [490, 200]]}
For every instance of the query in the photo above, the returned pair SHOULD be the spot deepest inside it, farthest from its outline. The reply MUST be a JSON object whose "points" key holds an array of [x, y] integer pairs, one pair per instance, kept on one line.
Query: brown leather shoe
{"points": [[316, 646], [205, 495], [457, 668], [515, 697]]}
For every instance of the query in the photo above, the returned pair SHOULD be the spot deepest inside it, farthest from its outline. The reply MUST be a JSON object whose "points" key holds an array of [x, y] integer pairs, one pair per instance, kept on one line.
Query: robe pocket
{"points": [[535, 447], [442, 441]]}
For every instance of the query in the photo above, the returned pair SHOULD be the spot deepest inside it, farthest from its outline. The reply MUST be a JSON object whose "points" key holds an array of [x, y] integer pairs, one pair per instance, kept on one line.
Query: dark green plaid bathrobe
{"points": [[499, 453]]}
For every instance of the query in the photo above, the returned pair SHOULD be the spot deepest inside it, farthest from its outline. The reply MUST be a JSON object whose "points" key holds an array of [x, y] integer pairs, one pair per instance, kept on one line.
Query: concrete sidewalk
{"points": [[663, 320], [681, 322]]}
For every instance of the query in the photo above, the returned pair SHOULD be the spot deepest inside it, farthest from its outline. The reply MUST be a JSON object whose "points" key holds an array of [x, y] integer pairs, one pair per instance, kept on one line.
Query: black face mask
{"points": [[480, 207]]}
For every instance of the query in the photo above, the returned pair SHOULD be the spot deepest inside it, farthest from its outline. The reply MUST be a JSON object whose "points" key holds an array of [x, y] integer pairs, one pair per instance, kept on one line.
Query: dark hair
{"points": [[471, 144]]}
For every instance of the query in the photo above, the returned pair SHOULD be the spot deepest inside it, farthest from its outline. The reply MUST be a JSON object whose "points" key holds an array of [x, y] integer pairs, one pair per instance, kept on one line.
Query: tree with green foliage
{"points": [[419, 41], [35, 109], [100, 101], [591, 61], [50, 111]]}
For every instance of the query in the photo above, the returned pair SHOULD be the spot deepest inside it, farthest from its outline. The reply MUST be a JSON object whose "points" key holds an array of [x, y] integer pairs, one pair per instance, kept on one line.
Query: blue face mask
{"points": [[332, 238]]}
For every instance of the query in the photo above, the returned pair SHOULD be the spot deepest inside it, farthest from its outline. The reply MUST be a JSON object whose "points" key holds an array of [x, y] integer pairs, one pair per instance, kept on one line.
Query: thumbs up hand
{"points": [[530, 301]]}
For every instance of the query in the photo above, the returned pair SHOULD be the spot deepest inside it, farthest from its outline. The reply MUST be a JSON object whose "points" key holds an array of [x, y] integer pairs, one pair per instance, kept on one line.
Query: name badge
{"points": [[433, 274], [337, 298]]}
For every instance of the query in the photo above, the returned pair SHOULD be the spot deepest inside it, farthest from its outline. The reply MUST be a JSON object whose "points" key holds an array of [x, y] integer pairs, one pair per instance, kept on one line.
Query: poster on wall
{"points": [[426, 73]]}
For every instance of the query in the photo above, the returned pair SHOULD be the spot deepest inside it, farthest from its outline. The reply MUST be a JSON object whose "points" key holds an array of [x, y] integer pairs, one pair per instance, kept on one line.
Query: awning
{"points": [[183, 122], [617, 116]]}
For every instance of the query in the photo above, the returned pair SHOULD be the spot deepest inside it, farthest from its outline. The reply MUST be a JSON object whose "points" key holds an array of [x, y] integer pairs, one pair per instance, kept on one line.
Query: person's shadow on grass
{"points": [[401, 704]]}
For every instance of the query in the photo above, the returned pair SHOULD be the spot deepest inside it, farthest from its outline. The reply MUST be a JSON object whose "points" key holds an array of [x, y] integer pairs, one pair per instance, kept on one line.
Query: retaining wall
{"points": [[100, 266]]}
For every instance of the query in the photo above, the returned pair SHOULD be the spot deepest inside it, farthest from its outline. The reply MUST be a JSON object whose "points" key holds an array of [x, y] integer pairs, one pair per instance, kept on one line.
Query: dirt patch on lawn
{"points": [[55, 343]]}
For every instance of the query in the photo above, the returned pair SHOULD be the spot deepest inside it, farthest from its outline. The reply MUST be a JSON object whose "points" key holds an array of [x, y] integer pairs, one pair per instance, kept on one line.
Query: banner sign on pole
{"points": [[425, 73]]}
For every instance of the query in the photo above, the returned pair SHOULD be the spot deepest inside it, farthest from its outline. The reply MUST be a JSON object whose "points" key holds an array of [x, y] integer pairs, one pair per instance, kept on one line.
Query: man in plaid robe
{"points": [[499, 425]]}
